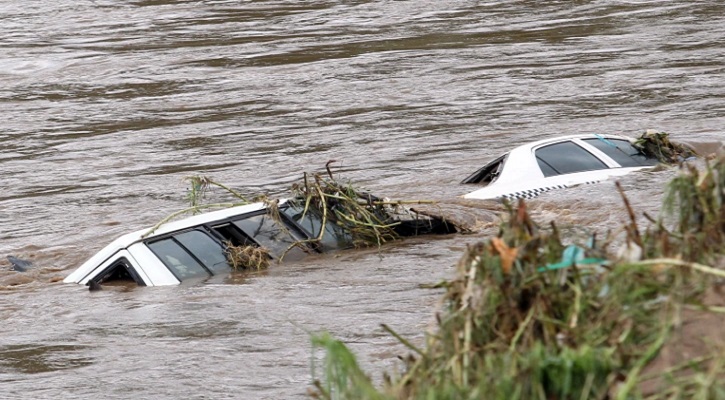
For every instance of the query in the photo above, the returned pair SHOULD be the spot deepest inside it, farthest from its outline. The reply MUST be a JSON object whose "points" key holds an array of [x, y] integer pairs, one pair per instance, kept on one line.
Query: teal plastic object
{"points": [[573, 255]]}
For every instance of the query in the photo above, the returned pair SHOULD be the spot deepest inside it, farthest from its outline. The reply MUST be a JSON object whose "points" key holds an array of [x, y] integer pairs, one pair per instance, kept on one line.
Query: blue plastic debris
{"points": [[574, 255], [18, 264]]}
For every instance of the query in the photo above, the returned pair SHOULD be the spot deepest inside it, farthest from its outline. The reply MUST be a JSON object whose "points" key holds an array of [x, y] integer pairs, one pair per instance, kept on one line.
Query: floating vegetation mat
{"points": [[528, 317]]}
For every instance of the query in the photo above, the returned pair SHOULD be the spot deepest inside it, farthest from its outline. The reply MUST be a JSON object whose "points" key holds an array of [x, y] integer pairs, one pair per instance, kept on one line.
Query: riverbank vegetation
{"points": [[531, 316]]}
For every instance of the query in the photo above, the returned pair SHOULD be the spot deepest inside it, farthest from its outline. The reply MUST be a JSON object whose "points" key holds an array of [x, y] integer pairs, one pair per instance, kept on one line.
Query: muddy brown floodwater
{"points": [[107, 105]]}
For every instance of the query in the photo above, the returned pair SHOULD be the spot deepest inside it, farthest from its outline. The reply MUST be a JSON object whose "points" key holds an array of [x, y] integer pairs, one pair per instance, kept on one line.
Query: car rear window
{"points": [[622, 152], [489, 173], [566, 158]]}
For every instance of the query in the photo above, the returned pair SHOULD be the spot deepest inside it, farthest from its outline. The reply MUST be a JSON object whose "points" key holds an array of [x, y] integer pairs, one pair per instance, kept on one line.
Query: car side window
{"points": [[334, 237], [273, 235], [205, 249], [622, 152], [178, 260], [566, 158]]}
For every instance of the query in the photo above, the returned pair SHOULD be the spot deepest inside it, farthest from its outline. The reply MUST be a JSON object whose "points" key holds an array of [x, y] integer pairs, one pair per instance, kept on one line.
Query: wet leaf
{"points": [[508, 254]]}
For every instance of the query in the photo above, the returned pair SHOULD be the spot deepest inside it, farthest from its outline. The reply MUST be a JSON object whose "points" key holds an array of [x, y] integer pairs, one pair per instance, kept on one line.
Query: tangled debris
{"points": [[658, 145], [367, 219], [247, 257], [513, 328], [334, 215]]}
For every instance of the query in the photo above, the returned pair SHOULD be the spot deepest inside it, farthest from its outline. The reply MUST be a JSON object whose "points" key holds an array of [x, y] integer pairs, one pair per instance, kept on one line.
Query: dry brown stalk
{"points": [[247, 257]]}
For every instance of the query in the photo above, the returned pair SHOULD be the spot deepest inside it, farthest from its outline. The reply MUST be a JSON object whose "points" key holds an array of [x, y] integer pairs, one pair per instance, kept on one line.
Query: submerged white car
{"points": [[195, 247], [538, 167]]}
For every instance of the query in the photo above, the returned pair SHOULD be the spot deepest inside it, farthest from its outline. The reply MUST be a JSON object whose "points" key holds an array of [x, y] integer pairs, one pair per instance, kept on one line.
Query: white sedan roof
{"points": [[522, 177], [128, 240]]}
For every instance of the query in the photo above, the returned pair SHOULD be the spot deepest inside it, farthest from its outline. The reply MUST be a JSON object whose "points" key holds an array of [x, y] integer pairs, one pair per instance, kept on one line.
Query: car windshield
{"points": [[622, 152], [566, 158]]}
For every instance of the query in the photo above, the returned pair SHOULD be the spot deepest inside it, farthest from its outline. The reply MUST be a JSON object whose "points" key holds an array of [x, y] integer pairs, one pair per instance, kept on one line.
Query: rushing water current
{"points": [[107, 105]]}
